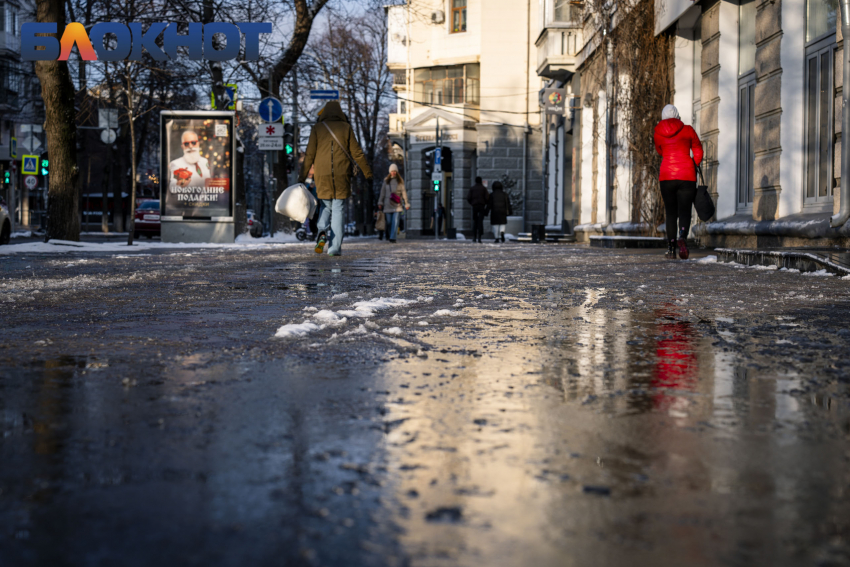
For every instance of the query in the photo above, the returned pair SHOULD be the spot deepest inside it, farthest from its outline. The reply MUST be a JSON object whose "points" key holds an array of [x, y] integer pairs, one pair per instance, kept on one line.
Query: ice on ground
{"points": [[343, 295], [393, 331], [310, 308], [483, 296], [846, 278], [278, 237], [509, 236], [423, 299], [447, 313], [423, 323], [817, 273], [21, 234], [790, 270], [297, 329], [66, 246], [760, 267], [369, 307], [707, 260], [330, 318]]}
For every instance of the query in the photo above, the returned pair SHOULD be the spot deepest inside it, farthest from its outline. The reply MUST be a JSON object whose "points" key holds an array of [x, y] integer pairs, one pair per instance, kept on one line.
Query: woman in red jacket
{"points": [[675, 141]]}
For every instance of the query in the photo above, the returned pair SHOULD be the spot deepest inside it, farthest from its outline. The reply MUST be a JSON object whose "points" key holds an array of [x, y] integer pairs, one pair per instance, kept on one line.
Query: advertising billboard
{"points": [[198, 159]]}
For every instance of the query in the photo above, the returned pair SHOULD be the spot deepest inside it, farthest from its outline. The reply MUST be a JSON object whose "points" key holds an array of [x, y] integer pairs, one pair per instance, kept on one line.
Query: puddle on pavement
{"points": [[596, 426]]}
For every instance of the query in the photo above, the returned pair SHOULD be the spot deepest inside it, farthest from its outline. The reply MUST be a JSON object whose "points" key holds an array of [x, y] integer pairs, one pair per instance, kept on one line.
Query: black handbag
{"points": [[702, 202]]}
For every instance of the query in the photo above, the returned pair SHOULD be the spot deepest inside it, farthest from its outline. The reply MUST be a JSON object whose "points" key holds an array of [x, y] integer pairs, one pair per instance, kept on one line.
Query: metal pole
{"points": [[609, 92], [437, 196], [844, 210], [546, 144]]}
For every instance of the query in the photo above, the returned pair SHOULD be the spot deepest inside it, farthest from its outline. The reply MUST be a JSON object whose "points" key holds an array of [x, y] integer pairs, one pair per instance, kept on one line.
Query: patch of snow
{"points": [[760, 267], [820, 273], [393, 331], [329, 318], [65, 246], [447, 313], [460, 236], [21, 234], [846, 278], [707, 260], [311, 309], [790, 270], [339, 296], [423, 323], [360, 330], [296, 330], [423, 299]]}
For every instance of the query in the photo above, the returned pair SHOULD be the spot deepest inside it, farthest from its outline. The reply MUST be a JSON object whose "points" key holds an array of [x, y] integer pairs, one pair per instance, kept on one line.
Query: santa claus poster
{"points": [[198, 167]]}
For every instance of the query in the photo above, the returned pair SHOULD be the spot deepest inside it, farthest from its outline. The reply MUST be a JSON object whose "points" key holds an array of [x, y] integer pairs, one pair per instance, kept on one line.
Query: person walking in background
{"points": [[675, 141], [478, 197], [311, 224], [499, 207], [392, 201], [333, 151]]}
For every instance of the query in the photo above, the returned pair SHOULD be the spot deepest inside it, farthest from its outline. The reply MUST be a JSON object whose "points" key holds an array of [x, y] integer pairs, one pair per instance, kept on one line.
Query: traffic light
{"points": [[446, 159], [44, 166], [436, 182], [289, 146], [7, 176], [429, 163]]}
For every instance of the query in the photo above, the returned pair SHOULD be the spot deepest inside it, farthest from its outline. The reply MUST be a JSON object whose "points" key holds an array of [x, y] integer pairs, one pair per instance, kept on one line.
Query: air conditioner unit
{"points": [[438, 17]]}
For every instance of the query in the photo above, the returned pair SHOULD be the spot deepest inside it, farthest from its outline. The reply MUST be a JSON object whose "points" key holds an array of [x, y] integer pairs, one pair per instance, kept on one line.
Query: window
{"points": [[561, 11], [746, 36], [458, 16], [821, 17], [820, 180], [746, 141], [446, 85]]}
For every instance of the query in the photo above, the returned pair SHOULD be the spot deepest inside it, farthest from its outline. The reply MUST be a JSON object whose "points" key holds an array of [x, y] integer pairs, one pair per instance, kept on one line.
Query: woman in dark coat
{"points": [[499, 208]]}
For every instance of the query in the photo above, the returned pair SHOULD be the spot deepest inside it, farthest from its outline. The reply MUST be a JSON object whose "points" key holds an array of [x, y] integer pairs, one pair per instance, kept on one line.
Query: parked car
{"points": [[147, 219], [5, 223], [255, 227]]}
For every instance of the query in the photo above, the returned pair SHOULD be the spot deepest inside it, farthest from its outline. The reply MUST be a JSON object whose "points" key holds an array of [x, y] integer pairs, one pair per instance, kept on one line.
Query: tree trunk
{"points": [[131, 122], [57, 92]]}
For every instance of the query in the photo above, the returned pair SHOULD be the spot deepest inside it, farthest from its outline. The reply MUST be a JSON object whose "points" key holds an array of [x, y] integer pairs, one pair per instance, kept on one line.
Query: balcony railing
{"points": [[556, 51]]}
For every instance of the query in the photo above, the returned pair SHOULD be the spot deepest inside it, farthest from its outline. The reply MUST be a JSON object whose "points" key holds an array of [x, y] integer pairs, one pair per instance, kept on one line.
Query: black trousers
{"points": [[678, 201], [478, 214]]}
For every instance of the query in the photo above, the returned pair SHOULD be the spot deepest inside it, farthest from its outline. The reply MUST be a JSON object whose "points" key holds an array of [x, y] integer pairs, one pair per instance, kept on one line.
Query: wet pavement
{"points": [[426, 404]]}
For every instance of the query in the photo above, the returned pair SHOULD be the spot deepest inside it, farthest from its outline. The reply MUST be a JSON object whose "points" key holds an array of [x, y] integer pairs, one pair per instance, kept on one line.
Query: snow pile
{"points": [[447, 313], [330, 318], [279, 237], [339, 296], [21, 234], [818, 273], [790, 270], [393, 331], [297, 330], [760, 267], [707, 260]]}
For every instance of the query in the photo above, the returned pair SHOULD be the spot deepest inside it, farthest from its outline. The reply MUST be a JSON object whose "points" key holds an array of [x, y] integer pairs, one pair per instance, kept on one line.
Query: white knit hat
{"points": [[669, 111], [393, 167]]}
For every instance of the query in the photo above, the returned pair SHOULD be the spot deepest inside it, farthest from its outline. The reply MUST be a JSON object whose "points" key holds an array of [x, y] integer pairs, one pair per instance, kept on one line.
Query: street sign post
{"points": [[13, 147], [267, 130], [31, 182], [270, 143], [270, 109], [229, 97], [29, 165], [328, 94]]}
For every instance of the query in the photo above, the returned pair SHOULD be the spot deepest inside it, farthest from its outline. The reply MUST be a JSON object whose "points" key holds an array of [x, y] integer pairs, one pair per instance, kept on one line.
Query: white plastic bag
{"points": [[297, 203]]}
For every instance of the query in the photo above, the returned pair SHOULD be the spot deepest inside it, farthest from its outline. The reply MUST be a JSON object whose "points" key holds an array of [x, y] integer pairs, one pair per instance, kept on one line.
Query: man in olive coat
{"points": [[333, 162]]}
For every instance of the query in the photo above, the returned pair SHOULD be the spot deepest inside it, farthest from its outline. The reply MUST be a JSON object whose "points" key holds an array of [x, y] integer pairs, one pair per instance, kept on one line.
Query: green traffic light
{"points": [[44, 163], [436, 185], [289, 149]]}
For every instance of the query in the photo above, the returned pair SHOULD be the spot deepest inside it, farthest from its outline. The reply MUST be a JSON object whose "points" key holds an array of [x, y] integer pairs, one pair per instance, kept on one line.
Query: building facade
{"points": [[760, 81], [466, 72]]}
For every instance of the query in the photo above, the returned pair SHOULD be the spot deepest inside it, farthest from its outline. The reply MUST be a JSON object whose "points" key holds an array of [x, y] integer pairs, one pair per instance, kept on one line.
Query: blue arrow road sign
{"points": [[270, 109], [438, 156], [324, 95]]}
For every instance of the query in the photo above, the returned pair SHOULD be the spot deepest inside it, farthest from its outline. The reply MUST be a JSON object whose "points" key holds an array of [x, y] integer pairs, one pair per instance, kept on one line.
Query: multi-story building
{"points": [[760, 82], [466, 71], [21, 111]]}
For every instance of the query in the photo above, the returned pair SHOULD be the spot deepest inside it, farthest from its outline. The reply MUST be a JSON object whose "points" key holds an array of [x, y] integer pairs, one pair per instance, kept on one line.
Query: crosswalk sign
{"points": [[30, 165], [229, 102]]}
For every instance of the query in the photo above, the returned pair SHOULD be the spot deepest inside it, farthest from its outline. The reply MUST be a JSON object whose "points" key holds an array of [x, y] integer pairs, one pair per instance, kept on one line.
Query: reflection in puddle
{"points": [[522, 448]]}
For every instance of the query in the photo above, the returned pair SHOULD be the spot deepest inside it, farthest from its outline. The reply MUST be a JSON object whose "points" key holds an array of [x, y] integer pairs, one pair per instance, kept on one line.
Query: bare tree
{"points": [[57, 92]]}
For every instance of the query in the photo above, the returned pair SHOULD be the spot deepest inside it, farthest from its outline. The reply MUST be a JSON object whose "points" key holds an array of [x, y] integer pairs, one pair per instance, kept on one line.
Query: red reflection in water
{"points": [[675, 359]]}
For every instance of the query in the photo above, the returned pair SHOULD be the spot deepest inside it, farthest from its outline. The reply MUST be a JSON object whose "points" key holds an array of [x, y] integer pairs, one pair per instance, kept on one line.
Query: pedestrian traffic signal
{"points": [[436, 183], [44, 165], [7, 177], [289, 139], [446, 159]]}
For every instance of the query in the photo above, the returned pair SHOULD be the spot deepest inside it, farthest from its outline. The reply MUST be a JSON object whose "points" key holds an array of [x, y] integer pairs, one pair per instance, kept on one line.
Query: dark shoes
{"points": [[503, 237], [393, 241], [683, 249], [671, 250]]}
